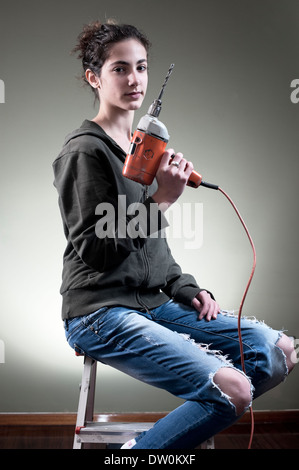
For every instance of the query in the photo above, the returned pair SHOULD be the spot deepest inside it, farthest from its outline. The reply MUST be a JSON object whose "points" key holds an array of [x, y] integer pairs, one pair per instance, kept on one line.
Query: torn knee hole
{"points": [[235, 387], [286, 344]]}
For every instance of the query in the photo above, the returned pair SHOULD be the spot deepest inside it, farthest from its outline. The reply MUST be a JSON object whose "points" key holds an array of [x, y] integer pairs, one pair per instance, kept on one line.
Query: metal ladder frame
{"points": [[87, 431]]}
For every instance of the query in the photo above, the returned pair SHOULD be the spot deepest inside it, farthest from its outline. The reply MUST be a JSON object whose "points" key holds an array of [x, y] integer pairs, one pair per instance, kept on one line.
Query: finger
{"points": [[166, 158], [178, 157], [189, 168], [175, 158], [204, 312], [179, 164], [199, 306], [216, 311], [213, 313], [210, 310]]}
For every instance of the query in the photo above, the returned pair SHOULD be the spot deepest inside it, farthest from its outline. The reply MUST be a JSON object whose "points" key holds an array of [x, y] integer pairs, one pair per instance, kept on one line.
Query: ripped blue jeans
{"points": [[171, 349]]}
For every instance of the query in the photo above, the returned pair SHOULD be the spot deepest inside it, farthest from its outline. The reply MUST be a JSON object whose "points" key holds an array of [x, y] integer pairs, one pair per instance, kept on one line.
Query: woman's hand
{"points": [[206, 306], [172, 176]]}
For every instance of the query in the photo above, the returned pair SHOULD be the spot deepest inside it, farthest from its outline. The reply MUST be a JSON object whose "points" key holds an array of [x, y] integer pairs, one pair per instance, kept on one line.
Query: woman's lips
{"points": [[134, 94]]}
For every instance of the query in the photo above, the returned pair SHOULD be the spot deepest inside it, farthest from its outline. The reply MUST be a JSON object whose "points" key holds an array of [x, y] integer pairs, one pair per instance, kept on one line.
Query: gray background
{"points": [[227, 108]]}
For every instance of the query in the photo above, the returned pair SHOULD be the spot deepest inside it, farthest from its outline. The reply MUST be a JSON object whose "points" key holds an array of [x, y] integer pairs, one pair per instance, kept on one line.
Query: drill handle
{"points": [[194, 180]]}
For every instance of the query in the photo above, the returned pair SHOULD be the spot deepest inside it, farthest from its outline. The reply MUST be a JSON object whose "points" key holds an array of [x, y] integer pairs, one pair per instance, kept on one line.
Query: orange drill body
{"points": [[144, 157]]}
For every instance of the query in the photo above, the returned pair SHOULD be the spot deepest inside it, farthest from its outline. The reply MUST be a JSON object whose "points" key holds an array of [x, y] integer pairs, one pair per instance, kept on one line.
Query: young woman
{"points": [[126, 301]]}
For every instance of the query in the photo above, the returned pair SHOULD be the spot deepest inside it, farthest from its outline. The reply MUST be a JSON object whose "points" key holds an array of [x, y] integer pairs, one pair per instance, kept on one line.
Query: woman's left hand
{"points": [[206, 306]]}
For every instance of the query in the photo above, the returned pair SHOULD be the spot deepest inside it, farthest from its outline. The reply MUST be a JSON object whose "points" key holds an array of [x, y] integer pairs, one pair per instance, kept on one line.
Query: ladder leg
{"points": [[89, 372], [91, 394]]}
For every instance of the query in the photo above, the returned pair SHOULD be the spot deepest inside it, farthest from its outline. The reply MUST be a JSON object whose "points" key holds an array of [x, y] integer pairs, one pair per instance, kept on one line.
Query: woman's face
{"points": [[123, 79]]}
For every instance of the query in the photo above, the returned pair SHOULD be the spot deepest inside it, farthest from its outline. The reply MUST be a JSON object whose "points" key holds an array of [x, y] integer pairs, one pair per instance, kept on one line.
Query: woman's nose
{"points": [[133, 79]]}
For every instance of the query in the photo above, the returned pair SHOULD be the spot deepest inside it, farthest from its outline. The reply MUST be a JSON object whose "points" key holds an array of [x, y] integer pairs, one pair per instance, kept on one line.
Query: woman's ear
{"points": [[92, 79]]}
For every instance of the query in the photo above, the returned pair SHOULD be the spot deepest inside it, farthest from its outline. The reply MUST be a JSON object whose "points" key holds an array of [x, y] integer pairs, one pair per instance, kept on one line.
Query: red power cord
{"points": [[243, 300]]}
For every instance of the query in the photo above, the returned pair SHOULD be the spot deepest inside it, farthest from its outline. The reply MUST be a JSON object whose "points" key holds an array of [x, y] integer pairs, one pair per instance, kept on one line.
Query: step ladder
{"points": [[88, 431]]}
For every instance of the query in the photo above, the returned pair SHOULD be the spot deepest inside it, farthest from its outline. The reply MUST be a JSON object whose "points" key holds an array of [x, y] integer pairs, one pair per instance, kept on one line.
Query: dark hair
{"points": [[94, 43]]}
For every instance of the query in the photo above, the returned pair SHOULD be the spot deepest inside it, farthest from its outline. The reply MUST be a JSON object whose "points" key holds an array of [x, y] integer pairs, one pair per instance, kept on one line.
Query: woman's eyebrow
{"points": [[123, 62]]}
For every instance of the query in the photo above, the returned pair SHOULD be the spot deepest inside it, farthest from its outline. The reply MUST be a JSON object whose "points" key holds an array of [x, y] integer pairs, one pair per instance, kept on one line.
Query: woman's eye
{"points": [[140, 68], [119, 69]]}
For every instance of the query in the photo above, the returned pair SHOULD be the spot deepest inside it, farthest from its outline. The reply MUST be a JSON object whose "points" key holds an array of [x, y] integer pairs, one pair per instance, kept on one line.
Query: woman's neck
{"points": [[117, 125]]}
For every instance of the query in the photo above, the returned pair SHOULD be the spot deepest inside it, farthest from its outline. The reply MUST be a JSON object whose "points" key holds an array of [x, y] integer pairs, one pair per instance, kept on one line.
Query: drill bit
{"points": [[165, 81], [155, 107]]}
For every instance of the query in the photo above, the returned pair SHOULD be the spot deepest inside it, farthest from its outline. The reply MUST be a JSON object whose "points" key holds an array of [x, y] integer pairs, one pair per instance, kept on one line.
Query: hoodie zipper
{"points": [[144, 255], [142, 304], [144, 249]]}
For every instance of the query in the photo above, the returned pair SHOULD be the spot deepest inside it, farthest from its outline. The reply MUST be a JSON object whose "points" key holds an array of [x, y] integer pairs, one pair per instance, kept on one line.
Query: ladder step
{"points": [[94, 432]]}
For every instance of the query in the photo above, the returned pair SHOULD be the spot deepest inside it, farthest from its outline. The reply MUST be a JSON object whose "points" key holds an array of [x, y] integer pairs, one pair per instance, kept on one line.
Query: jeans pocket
{"points": [[93, 318]]}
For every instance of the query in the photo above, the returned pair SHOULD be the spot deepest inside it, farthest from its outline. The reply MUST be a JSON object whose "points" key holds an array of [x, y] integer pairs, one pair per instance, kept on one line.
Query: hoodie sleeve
{"points": [[180, 286], [84, 181]]}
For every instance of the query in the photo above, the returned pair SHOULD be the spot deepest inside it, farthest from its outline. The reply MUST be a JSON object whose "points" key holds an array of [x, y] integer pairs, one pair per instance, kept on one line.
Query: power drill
{"points": [[148, 145]]}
